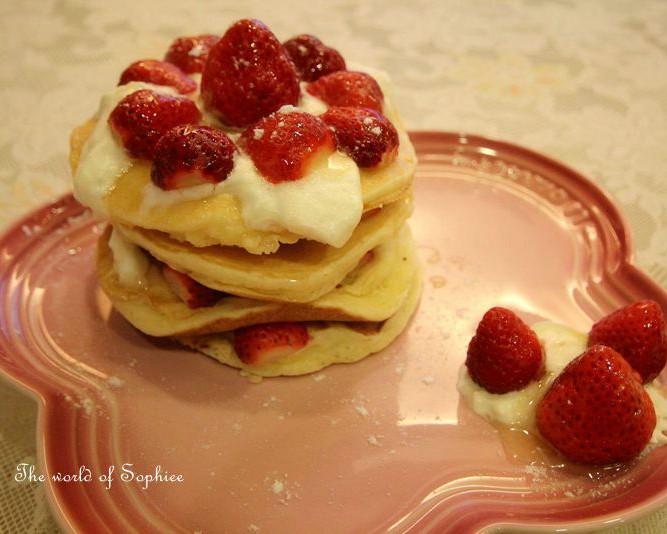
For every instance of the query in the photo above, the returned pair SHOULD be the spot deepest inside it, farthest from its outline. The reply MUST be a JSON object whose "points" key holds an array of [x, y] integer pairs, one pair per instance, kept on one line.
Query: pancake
{"points": [[217, 219], [372, 292], [301, 272], [333, 342]]}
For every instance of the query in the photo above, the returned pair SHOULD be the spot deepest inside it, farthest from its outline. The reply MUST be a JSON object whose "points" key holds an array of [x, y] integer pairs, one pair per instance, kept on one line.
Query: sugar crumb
{"points": [[362, 411], [115, 382]]}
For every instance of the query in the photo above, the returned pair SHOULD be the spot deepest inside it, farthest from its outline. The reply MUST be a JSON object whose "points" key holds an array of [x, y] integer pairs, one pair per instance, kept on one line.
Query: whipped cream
{"points": [[103, 159], [325, 205], [310, 103], [129, 261], [517, 408]]}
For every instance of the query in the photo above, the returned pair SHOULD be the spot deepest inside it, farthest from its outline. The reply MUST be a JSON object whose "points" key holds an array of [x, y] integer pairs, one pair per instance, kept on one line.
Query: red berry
{"points": [[504, 354], [367, 136], [638, 333], [189, 53], [142, 117], [283, 144], [194, 294], [192, 155], [248, 75], [597, 411], [347, 88], [312, 58], [158, 73], [261, 343]]}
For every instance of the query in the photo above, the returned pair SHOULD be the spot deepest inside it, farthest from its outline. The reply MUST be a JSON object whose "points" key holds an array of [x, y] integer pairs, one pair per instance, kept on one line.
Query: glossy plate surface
{"points": [[385, 445]]}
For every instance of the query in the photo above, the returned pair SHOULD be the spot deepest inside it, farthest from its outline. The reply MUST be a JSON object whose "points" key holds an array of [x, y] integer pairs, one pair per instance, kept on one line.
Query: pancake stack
{"points": [[191, 264]]}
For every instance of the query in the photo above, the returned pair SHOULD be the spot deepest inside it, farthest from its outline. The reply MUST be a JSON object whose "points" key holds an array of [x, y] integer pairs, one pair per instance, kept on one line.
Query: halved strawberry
{"points": [[189, 53], [312, 58], [192, 155], [283, 144], [597, 411], [158, 73], [142, 117], [248, 75], [365, 135], [638, 333], [348, 88], [262, 343], [504, 354], [194, 294]]}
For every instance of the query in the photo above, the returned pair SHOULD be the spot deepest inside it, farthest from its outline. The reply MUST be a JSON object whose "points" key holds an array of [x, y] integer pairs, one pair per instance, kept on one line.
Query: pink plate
{"points": [[385, 445]]}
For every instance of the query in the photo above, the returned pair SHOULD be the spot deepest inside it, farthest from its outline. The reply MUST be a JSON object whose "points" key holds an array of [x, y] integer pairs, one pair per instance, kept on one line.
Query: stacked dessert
{"points": [[257, 194]]}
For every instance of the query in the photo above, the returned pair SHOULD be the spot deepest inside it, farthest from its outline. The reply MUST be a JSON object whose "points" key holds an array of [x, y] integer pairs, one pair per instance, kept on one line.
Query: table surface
{"points": [[583, 82]]}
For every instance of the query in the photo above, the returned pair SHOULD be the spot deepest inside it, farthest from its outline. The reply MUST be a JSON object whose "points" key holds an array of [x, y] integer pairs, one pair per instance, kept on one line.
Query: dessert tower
{"points": [[257, 196]]}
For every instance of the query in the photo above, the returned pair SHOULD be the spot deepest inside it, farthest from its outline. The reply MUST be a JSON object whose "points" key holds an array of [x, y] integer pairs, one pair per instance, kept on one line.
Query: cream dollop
{"points": [[517, 408], [129, 262], [325, 205], [103, 159]]}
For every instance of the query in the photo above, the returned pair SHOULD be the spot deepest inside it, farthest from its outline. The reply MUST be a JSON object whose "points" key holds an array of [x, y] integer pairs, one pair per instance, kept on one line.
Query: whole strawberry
{"points": [[312, 58], [189, 53], [248, 75], [348, 88], [504, 354], [365, 135], [597, 411], [192, 155], [263, 343], [282, 145], [142, 117], [158, 73], [638, 333]]}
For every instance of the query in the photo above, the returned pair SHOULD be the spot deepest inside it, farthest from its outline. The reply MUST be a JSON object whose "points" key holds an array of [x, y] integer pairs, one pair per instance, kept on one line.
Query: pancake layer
{"points": [[373, 291], [330, 343], [301, 272]]}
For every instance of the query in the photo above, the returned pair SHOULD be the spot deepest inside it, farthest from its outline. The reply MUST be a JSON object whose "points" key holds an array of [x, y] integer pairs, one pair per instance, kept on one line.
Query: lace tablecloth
{"points": [[583, 82]]}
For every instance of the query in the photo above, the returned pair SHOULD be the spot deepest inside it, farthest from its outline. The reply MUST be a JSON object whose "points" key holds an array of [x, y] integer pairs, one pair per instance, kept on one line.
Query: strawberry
{"points": [[189, 53], [262, 343], [192, 155], [348, 88], [142, 117], [158, 73], [194, 294], [597, 411], [284, 143], [248, 75], [312, 58], [367, 136], [637, 331], [504, 354]]}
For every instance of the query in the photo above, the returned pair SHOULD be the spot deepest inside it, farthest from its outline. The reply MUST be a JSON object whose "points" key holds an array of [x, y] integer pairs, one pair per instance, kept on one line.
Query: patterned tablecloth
{"points": [[583, 82]]}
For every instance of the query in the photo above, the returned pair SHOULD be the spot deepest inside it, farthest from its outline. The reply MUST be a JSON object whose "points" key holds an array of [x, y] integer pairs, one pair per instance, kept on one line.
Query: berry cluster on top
{"points": [[250, 82]]}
